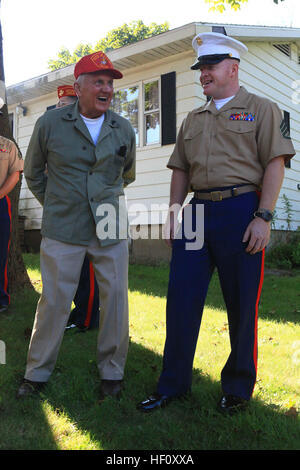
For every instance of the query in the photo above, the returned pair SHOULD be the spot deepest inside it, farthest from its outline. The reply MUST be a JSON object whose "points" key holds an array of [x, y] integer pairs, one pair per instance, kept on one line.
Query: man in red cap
{"points": [[90, 155], [66, 95], [85, 314]]}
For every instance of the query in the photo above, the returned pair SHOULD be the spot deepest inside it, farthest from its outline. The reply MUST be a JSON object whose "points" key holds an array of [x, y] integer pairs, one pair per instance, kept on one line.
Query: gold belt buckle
{"points": [[216, 196]]}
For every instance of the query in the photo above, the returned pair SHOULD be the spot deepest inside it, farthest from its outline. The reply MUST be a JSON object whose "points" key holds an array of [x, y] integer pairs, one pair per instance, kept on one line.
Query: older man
{"points": [[85, 314], [231, 152], [90, 156]]}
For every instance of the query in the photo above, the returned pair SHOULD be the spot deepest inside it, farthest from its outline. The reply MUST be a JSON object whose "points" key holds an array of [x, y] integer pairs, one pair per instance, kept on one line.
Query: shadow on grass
{"points": [[192, 424], [23, 424], [280, 298], [73, 392]]}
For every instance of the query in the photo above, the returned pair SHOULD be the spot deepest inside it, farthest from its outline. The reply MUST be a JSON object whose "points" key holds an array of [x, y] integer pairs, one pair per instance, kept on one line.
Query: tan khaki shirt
{"points": [[10, 159], [233, 145]]}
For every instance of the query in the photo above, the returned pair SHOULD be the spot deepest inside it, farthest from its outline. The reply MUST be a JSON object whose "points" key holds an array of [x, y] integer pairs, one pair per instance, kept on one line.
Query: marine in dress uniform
{"points": [[11, 164], [85, 314], [230, 153], [90, 155]]}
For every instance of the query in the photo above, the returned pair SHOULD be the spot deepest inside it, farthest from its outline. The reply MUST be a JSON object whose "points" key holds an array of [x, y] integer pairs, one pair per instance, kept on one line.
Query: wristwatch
{"points": [[264, 214]]}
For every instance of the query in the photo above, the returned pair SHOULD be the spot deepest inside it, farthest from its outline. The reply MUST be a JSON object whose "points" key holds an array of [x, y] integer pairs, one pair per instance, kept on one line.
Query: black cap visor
{"points": [[211, 60]]}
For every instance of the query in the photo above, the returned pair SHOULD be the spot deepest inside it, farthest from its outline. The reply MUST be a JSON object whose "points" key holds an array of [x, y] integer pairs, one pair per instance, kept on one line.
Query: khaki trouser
{"points": [[60, 268]]}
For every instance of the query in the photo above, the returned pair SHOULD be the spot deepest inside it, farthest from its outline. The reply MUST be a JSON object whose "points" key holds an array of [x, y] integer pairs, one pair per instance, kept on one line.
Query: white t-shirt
{"points": [[220, 103], [94, 126]]}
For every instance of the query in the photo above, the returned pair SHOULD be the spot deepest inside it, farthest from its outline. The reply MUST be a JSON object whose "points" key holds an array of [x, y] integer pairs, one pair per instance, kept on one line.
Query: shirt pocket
{"points": [[193, 140], [240, 127], [114, 166], [238, 140]]}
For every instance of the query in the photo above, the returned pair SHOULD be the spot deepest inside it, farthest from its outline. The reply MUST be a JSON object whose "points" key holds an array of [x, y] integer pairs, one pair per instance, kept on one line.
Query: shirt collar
{"points": [[239, 101], [72, 114]]}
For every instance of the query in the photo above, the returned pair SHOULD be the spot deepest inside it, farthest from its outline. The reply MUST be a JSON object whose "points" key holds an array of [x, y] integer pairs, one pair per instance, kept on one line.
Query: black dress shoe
{"points": [[80, 328], [154, 402], [29, 388], [230, 404]]}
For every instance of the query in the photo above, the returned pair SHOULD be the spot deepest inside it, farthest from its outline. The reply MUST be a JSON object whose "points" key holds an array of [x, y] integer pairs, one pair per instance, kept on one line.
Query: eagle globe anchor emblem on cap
{"points": [[99, 59], [96, 62], [212, 48]]}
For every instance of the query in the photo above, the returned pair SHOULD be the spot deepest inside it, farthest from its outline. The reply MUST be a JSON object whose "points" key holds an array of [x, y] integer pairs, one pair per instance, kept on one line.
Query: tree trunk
{"points": [[17, 274]]}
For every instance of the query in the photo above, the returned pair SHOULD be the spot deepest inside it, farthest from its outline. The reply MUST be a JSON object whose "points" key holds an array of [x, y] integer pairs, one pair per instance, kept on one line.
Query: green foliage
{"points": [[296, 254], [288, 210], [118, 37], [220, 5], [129, 34], [285, 255]]}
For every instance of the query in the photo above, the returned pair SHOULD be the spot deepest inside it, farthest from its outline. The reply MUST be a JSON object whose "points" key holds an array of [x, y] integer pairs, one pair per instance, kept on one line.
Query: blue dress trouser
{"points": [[241, 276], [5, 228], [86, 300]]}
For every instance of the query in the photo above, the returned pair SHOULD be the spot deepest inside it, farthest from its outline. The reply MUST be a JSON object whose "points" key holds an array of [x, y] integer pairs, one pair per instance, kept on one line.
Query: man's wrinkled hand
{"points": [[257, 235]]}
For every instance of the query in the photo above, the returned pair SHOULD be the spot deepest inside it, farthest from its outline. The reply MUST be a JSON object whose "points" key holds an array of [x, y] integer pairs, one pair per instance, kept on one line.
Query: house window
{"points": [[126, 103], [151, 113], [150, 106]]}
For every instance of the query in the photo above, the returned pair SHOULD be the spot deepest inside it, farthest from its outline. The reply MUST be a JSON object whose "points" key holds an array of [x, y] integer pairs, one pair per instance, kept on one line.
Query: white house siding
{"points": [[152, 185], [268, 72], [28, 205]]}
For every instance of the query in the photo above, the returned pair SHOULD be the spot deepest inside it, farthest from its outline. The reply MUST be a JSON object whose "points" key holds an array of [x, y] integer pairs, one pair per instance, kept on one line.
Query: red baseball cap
{"points": [[65, 90], [95, 62]]}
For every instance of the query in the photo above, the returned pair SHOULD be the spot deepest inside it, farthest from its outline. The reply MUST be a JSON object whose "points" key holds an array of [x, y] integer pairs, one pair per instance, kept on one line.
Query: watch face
{"points": [[266, 215]]}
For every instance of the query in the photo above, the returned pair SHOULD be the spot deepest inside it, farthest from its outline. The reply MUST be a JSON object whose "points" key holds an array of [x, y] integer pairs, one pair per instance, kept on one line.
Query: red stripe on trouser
{"points": [[91, 296], [256, 309], [6, 264]]}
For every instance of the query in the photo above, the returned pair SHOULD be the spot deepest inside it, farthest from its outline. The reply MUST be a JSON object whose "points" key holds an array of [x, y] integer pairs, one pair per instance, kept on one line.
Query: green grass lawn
{"points": [[69, 414]]}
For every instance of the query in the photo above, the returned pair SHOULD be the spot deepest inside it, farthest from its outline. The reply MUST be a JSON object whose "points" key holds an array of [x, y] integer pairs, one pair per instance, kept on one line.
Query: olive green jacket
{"points": [[82, 189]]}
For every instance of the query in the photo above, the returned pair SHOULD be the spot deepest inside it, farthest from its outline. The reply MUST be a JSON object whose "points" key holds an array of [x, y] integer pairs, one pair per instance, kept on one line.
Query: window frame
{"points": [[141, 111], [132, 85], [145, 113]]}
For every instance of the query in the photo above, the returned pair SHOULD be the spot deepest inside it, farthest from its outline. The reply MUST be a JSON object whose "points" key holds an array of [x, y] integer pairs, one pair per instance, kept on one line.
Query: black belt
{"points": [[226, 193]]}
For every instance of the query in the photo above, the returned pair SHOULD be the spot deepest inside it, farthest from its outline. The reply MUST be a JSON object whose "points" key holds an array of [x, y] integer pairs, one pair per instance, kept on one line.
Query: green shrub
{"points": [[285, 255], [280, 256], [296, 254]]}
